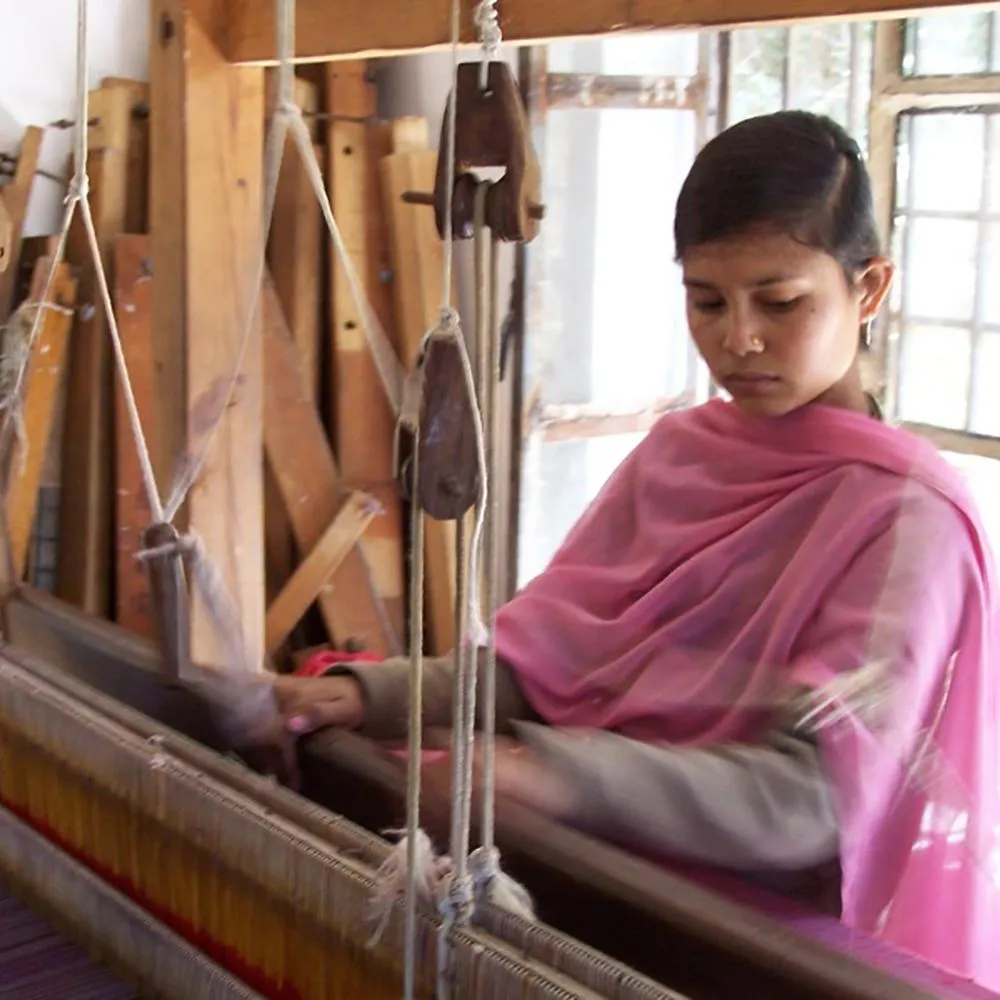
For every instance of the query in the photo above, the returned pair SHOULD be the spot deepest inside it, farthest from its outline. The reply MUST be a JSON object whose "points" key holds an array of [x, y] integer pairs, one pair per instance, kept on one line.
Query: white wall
{"points": [[38, 77]]}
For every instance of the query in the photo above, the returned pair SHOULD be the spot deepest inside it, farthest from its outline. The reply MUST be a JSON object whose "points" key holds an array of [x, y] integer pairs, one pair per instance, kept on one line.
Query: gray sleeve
{"points": [[386, 689], [765, 807]]}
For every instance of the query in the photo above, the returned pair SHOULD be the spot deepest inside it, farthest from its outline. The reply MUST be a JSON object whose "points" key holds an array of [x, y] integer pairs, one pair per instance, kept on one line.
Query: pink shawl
{"points": [[732, 557]]}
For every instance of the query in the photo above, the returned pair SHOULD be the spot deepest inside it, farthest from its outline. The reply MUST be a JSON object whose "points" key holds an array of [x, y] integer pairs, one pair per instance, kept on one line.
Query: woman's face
{"points": [[777, 323]]}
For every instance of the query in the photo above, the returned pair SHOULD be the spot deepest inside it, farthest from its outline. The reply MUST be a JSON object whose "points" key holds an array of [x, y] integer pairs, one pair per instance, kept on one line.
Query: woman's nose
{"points": [[741, 336]]}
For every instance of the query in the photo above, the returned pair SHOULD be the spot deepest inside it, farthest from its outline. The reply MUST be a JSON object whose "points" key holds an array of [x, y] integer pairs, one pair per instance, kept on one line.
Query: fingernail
{"points": [[297, 724]]}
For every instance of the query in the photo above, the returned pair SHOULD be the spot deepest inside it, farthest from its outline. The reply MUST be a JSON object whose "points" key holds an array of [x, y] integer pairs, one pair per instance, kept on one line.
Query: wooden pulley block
{"points": [[438, 419], [6, 235], [169, 595], [491, 130]]}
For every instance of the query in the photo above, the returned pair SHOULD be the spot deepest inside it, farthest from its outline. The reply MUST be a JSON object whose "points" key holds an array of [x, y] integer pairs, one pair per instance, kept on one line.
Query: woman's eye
{"points": [[782, 305], [709, 305]]}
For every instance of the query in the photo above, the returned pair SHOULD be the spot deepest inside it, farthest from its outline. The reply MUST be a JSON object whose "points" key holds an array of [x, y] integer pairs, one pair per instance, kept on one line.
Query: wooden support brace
{"points": [[6, 235], [362, 421], [206, 199], [41, 395], [352, 28], [15, 196], [313, 572], [85, 513], [133, 514], [417, 273], [310, 484]]}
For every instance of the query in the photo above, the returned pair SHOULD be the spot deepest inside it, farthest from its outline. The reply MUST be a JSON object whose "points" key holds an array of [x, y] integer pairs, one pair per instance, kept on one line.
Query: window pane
{"points": [[943, 44], [934, 376], [939, 270], [941, 162], [757, 75], [994, 177], [985, 398], [656, 53], [990, 280], [611, 331], [640, 341], [821, 70], [560, 479]]}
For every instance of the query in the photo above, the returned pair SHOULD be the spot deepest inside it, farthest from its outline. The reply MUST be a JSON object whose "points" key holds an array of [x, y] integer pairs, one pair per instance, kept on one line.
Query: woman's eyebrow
{"points": [[771, 279]]}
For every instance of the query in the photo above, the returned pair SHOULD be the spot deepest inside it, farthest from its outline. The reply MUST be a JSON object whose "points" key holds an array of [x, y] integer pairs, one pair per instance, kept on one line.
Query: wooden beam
{"points": [[352, 28], [133, 291], [304, 585], [43, 380], [85, 509], [307, 476], [207, 125], [362, 422], [16, 195]]}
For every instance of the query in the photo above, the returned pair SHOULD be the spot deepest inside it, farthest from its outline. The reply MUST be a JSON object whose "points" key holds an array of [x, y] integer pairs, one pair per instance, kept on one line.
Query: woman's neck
{"points": [[848, 393]]}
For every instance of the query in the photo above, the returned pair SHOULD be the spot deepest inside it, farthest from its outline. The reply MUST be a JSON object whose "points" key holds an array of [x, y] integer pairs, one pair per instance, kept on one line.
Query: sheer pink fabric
{"points": [[731, 558]]}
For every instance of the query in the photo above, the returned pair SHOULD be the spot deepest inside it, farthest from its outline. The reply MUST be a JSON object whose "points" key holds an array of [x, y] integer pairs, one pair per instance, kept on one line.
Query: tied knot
{"points": [[488, 25], [187, 544], [78, 189], [455, 904], [484, 867], [288, 108], [448, 323]]}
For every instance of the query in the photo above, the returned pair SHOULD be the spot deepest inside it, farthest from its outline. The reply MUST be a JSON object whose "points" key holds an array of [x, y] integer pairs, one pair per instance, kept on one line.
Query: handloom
{"points": [[206, 879], [674, 932]]}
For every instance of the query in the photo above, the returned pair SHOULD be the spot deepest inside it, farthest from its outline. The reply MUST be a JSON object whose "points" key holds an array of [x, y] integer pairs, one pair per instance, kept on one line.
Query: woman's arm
{"points": [[385, 690], [762, 807]]}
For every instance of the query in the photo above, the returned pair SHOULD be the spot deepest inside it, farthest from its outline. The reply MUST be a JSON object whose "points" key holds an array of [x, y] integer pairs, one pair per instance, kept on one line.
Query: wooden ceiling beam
{"points": [[348, 29]]}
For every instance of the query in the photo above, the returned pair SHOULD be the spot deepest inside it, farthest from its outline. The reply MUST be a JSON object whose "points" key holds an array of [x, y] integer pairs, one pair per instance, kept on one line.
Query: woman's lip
{"points": [[750, 378]]}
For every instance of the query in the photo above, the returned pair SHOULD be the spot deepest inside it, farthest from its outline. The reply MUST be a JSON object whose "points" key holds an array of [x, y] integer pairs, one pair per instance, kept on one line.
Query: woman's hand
{"points": [[523, 776], [311, 703], [520, 774]]}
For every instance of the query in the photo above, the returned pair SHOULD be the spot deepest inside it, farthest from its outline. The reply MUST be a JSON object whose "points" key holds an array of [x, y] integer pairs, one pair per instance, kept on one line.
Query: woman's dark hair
{"points": [[798, 172]]}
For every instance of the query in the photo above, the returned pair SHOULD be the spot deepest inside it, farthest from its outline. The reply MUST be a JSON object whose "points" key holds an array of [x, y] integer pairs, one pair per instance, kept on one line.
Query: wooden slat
{"points": [[353, 28], [137, 205], [6, 235], [41, 390], [224, 119], [295, 257], [16, 195], [417, 273], [307, 581], [85, 518], [167, 221], [134, 308], [362, 421], [307, 475], [207, 135]]}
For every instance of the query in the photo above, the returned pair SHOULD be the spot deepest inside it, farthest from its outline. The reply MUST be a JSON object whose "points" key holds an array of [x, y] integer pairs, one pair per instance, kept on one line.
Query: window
{"points": [[607, 349]]}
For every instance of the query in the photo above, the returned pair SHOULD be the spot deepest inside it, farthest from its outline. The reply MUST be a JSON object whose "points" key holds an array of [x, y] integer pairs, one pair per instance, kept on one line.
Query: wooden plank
{"points": [[362, 420], [167, 226], [6, 235], [307, 475], [418, 260], [16, 195], [224, 121], [134, 309], [85, 512], [41, 393], [307, 581], [295, 254], [353, 28], [137, 205]]}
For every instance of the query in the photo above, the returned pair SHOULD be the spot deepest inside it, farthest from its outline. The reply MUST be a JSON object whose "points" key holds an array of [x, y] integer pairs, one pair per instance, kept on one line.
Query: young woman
{"points": [[770, 643]]}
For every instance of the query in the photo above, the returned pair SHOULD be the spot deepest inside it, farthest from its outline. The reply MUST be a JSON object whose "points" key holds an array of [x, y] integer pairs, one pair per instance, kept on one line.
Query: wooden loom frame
{"points": [[207, 109]]}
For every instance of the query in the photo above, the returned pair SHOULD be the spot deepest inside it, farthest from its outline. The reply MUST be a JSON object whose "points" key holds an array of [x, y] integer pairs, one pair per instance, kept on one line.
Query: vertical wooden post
{"points": [[207, 132]]}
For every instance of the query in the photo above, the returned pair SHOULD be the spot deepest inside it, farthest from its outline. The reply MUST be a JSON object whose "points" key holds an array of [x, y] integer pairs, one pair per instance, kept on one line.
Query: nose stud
{"points": [[756, 344]]}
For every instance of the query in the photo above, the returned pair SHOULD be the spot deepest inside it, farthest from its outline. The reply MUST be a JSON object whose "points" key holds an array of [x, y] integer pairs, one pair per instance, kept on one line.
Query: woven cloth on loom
{"points": [[38, 963]]}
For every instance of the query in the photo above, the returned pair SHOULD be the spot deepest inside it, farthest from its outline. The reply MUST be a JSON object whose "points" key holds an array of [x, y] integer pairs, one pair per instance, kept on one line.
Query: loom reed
{"points": [[270, 887]]}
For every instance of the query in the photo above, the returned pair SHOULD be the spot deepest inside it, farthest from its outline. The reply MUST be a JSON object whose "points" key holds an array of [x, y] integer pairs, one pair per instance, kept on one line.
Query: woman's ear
{"points": [[874, 283]]}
